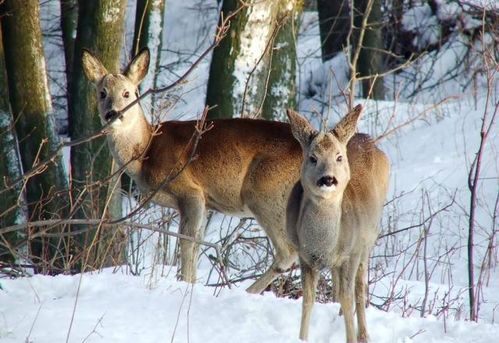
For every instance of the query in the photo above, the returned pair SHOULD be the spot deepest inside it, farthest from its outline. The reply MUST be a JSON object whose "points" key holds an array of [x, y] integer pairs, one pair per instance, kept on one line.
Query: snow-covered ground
{"points": [[115, 307], [431, 153]]}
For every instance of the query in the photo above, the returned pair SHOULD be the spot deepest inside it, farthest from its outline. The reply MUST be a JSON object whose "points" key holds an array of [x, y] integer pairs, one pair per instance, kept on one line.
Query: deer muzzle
{"points": [[110, 115], [327, 181]]}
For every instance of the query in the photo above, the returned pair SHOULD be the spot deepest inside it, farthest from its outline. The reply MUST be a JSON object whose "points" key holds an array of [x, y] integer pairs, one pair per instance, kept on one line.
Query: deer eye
{"points": [[313, 160], [339, 158], [102, 94], [126, 94]]}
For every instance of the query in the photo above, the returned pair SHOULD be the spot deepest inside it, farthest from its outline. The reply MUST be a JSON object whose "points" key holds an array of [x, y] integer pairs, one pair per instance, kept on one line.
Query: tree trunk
{"points": [[240, 64], [34, 120], [69, 20], [282, 77], [370, 62], [149, 33], [13, 208], [101, 30], [334, 25]]}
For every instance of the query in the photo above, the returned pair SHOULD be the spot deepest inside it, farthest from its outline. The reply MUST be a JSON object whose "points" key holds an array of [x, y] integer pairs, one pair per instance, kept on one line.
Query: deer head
{"points": [[325, 171], [116, 91]]}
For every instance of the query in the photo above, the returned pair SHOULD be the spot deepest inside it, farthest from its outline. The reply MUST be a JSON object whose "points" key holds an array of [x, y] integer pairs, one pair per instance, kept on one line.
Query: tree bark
{"points": [[34, 120], [240, 64], [101, 30], [69, 20], [281, 86], [334, 25], [370, 63], [149, 33], [13, 207]]}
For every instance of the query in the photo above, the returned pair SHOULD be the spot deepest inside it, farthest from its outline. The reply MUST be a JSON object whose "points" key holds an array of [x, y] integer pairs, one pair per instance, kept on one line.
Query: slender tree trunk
{"points": [[100, 29], [281, 82], [13, 207], [149, 16], [370, 63], [149, 33], [334, 25], [240, 64], [34, 119], [69, 20]]}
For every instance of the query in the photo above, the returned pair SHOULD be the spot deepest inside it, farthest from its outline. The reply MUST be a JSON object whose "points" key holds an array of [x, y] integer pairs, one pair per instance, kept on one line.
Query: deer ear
{"points": [[138, 67], [92, 67], [347, 126], [301, 128]]}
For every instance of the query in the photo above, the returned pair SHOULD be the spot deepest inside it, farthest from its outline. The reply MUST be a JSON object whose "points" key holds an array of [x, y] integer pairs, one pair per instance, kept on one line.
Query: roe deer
{"points": [[244, 167], [333, 213]]}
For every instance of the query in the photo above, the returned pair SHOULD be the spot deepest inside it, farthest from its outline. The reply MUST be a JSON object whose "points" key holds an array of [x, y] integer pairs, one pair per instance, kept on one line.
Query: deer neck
{"points": [[129, 139], [322, 215], [319, 231], [327, 211]]}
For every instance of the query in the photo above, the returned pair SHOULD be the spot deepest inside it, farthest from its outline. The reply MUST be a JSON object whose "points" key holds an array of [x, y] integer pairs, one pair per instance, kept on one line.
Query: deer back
{"points": [[234, 158], [236, 162]]}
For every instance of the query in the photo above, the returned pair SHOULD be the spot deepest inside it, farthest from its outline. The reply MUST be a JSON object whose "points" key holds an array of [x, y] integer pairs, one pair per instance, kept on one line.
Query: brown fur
{"points": [[335, 227], [243, 167], [231, 160]]}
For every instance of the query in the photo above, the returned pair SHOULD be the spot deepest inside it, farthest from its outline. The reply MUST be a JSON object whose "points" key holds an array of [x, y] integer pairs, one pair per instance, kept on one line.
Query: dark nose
{"points": [[110, 115], [327, 181]]}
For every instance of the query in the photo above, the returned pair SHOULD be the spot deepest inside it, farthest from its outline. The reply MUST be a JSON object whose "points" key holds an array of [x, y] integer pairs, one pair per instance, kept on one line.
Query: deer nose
{"points": [[327, 181], [110, 115]]}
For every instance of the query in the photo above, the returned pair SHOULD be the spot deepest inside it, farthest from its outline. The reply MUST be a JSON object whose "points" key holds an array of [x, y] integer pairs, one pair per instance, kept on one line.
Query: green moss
{"points": [[91, 162], [31, 107]]}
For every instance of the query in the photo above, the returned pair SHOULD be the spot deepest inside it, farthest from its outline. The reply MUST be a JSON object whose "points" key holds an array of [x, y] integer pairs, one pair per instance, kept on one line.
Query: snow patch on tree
{"points": [[8, 143], [254, 38], [111, 12], [282, 92], [9, 149]]}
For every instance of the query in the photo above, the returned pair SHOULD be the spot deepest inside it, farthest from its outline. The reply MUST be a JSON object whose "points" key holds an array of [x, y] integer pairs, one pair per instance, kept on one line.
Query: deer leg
{"points": [[284, 254], [309, 278], [346, 292], [192, 215], [336, 282], [360, 301], [280, 265]]}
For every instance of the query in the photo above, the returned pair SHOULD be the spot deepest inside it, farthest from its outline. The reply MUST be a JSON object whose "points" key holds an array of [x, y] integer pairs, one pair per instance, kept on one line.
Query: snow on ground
{"points": [[119, 307], [114, 307], [430, 154]]}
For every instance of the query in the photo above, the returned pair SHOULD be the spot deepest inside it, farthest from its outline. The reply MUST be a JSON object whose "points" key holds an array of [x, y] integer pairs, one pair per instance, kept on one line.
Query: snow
{"points": [[431, 151], [447, 11], [189, 30], [111, 12], [421, 21], [154, 44], [115, 307], [252, 45], [12, 161]]}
